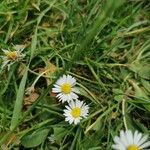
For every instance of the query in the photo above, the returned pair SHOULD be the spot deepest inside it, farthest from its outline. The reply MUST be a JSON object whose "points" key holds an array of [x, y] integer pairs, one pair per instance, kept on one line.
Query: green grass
{"points": [[104, 45]]}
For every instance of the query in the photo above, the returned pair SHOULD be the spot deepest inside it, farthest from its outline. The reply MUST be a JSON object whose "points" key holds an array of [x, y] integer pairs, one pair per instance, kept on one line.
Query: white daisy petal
{"points": [[67, 119], [56, 90], [5, 51], [64, 78], [135, 139], [117, 140], [129, 137], [69, 98], [60, 81], [73, 112], [72, 104], [146, 144], [56, 86], [70, 120], [143, 139], [64, 98], [130, 140], [118, 147], [66, 112], [79, 103], [68, 108], [76, 121], [123, 138], [71, 80], [60, 95], [138, 138], [74, 96]]}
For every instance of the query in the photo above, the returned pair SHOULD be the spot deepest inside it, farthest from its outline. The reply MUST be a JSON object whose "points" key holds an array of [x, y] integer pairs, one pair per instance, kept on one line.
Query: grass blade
{"points": [[18, 103]]}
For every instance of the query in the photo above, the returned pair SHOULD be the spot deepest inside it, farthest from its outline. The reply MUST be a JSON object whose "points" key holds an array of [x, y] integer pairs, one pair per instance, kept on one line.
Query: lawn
{"points": [[74, 74]]}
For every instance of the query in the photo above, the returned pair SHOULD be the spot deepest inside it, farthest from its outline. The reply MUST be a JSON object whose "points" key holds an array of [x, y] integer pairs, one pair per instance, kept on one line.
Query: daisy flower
{"points": [[76, 111], [131, 141], [10, 57], [64, 87]]}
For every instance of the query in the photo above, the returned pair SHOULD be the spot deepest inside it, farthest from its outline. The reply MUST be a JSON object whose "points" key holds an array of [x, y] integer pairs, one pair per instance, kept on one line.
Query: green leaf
{"points": [[90, 141], [142, 69], [141, 96], [18, 103], [146, 85], [35, 138], [59, 133], [118, 94]]}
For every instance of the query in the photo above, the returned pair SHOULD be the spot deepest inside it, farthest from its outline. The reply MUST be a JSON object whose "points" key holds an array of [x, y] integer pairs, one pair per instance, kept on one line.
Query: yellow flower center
{"points": [[133, 147], [76, 112], [11, 55], [66, 88]]}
